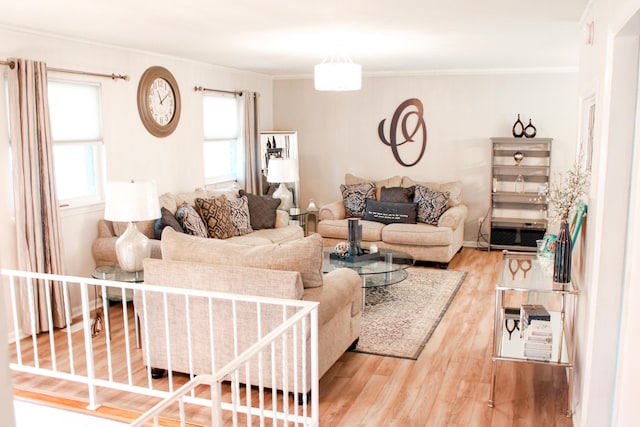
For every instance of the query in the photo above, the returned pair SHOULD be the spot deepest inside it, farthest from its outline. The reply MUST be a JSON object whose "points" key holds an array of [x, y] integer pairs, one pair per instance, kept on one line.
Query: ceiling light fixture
{"points": [[338, 73]]}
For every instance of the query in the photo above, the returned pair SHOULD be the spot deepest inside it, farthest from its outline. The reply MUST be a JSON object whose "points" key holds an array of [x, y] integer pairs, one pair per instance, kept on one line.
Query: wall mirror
{"points": [[279, 145]]}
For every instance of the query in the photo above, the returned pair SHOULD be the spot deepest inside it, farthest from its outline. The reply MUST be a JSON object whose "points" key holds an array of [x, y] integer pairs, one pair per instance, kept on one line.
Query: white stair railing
{"points": [[284, 357]]}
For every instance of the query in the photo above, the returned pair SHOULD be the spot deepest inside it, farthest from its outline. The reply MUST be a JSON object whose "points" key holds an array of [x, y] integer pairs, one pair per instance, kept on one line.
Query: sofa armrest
{"points": [[333, 210], [105, 228], [282, 218], [339, 288], [453, 217]]}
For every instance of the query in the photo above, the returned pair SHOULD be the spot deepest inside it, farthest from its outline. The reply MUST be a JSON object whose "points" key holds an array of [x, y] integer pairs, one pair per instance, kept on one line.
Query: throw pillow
{"points": [[390, 212], [431, 204], [262, 210], [355, 197], [167, 219], [216, 214], [240, 215], [303, 255], [397, 194], [191, 221], [393, 181]]}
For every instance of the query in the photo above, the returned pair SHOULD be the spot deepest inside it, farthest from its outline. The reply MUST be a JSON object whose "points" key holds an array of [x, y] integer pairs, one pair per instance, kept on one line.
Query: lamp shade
{"points": [[338, 76], [131, 201], [282, 170]]}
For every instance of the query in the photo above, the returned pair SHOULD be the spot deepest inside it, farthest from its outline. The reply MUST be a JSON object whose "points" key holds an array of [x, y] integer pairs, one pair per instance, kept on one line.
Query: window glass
{"points": [[76, 128], [222, 138]]}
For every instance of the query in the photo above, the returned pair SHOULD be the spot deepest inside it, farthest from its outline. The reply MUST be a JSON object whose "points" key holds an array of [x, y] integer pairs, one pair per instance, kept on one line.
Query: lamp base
{"points": [[285, 195], [132, 248]]}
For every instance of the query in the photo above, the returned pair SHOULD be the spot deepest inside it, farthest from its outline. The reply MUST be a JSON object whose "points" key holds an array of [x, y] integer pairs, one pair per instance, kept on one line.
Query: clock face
{"points": [[159, 101]]}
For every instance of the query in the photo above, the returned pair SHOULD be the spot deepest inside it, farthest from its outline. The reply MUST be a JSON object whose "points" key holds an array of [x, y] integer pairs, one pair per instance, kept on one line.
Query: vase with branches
{"points": [[564, 196]]}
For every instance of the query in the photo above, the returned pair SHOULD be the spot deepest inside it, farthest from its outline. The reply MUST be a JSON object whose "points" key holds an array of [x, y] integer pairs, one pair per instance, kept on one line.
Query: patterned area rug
{"points": [[398, 320]]}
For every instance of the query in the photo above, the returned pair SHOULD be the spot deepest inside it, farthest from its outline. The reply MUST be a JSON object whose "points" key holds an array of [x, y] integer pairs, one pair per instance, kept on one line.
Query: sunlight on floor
{"points": [[28, 414]]}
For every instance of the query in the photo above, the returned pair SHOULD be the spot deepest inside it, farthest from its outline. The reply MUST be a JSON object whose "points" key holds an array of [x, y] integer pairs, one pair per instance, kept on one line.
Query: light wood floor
{"points": [[447, 386]]}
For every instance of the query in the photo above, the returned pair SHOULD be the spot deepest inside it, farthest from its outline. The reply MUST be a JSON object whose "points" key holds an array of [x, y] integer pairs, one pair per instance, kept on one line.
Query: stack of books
{"points": [[538, 340], [531, 312]]}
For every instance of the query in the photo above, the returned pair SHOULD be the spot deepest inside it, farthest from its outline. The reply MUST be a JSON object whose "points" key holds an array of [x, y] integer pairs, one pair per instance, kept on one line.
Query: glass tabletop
{"points": [[527, 272], [114, 272], [399, 261]]}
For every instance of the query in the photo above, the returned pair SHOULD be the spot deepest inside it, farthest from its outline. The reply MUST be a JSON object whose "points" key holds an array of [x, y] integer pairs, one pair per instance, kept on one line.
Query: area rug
{"points": [[398, 320]]}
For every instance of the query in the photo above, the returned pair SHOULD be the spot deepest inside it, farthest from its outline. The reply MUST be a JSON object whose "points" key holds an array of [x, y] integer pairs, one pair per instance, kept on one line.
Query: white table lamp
{"points": [[131, 202], [283, 171]]}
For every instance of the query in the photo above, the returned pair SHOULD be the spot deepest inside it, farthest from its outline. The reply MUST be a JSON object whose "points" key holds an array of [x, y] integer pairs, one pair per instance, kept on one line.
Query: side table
{"points": [[523, 275], [299, 217], [115, 273]]}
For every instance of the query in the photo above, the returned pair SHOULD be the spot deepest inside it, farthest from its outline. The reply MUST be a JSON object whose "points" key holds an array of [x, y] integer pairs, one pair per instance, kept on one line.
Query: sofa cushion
{"points": [[216, 213], [304, 255], [394, 181], [145, 227], [397, 194], [431, 204], [390, 212], [417, 235], [354, 197], [454, 188], [262, 210], [167, 219], [339, 229], [190, 220], [240, 215]]}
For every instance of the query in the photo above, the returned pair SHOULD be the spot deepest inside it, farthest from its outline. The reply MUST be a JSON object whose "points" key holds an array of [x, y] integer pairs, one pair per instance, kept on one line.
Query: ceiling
{"points": [[287, 37]]}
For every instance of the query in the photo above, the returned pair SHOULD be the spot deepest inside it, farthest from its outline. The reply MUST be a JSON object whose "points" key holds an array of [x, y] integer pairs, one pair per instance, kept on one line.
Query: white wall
{"points": [[175, 162], [337, 132]]}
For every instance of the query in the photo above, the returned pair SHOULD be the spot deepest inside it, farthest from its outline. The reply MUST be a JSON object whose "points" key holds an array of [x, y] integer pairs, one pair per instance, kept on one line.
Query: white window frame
{"points": [[236, 144], [98, 153]]}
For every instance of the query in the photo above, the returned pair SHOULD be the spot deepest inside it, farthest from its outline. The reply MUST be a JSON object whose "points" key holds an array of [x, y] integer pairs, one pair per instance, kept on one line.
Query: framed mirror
{"points": [[278, 145]]}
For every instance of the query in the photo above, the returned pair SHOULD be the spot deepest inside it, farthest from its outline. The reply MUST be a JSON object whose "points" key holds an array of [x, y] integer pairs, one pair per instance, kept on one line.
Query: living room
{"points": [[337, 134]]}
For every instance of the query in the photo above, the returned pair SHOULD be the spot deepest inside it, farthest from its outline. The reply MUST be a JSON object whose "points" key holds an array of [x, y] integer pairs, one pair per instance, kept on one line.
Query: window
{"points": [[222, 138], [76, 129]]}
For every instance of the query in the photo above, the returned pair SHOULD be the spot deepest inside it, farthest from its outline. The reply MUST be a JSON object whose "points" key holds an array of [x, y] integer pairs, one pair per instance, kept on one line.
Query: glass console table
{"points": [[524, 277]]}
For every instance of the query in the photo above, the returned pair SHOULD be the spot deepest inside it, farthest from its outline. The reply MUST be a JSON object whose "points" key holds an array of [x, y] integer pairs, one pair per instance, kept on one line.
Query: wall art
{"points": [[407, 126]]}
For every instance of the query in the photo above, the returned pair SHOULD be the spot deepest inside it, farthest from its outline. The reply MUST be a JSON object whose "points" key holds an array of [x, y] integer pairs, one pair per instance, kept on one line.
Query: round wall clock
{"points": [[159, 101]]}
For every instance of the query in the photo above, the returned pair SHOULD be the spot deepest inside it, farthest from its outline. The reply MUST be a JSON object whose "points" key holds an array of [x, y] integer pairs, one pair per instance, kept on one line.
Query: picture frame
{"points": [[587, 123]]}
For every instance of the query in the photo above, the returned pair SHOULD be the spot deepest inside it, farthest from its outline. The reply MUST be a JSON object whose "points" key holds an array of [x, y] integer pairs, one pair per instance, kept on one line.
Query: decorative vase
{"points": [[354, 231], [518, 128], [530, 131], [562, 264]]}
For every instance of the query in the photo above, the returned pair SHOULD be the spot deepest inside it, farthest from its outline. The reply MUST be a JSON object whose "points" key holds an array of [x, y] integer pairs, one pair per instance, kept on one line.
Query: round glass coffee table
{"points": [[387, 269]]}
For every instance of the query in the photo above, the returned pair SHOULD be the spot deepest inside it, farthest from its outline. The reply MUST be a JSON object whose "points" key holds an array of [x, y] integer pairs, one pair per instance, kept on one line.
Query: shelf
{"points": [[522, 223], [513, 349]]}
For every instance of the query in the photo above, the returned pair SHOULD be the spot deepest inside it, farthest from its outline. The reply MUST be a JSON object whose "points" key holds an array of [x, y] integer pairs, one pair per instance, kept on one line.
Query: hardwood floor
{"points": [[447, 386]]}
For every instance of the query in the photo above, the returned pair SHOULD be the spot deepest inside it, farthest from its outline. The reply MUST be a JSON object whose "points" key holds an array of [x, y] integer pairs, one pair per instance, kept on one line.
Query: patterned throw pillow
{"points": [[397, 194], [262, 210], [240, 215], [431, 204], [355, 197], [216, 214], [191, 221]]}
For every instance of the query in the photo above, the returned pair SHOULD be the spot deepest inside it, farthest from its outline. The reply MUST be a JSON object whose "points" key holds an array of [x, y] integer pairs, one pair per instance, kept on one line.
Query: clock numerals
{"points": [[161, 101]]}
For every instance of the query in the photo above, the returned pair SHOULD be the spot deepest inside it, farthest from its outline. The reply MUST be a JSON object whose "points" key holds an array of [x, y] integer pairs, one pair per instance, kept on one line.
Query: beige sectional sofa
{"points": [[290, 270], [425, 242], [103, 248]]}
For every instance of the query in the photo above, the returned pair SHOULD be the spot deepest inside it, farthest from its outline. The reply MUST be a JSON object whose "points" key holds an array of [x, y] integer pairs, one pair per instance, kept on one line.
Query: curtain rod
{"points": [[204, 89], [12, 64]]}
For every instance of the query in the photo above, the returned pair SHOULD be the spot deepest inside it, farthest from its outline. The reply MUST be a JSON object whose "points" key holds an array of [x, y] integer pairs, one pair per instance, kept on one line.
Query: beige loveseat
{"points": [[425, 242], [104, 246], [290, 270]]}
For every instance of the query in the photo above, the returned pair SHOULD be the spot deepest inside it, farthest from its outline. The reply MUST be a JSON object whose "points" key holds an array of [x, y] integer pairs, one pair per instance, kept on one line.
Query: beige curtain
{"points": [[37, 217], [252, 178]]}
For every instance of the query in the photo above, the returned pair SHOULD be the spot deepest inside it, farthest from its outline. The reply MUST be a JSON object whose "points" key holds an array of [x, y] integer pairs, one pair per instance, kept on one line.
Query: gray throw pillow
{"points": [[190, 221], [167, 219], [355, 197], [240, 215], [390, 212], [262, 210], [431, 204], [397, 194]]}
